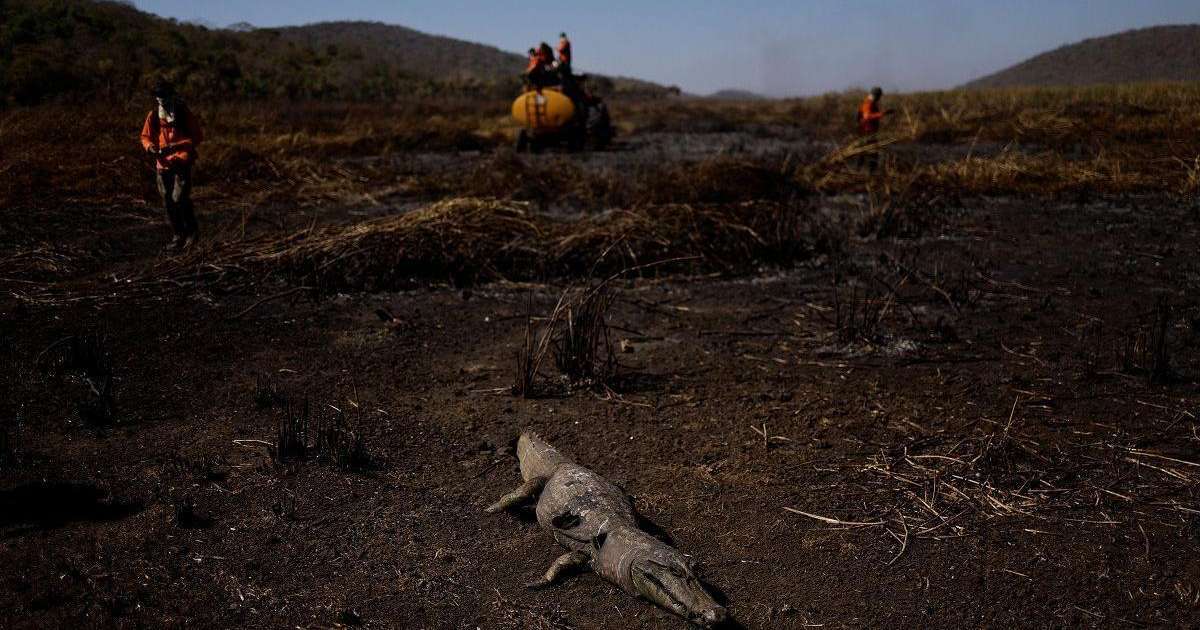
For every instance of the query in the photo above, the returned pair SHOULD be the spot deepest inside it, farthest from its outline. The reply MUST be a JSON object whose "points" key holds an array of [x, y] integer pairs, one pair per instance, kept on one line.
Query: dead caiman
{"points": [[595, 520]]}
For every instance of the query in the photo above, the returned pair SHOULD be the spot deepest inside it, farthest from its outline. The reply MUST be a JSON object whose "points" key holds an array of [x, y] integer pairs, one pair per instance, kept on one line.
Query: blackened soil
{"points": [[991, 424]]}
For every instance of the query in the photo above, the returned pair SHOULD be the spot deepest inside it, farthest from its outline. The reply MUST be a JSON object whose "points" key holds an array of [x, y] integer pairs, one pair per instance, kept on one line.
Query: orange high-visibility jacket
{"points": [[541, 58], [564, 51], [869, 116], [183, 136]]}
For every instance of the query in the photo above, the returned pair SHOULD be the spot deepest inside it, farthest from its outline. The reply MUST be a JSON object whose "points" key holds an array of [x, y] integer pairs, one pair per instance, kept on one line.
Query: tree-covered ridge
{"points": [[101, 49], [1160, 53]]}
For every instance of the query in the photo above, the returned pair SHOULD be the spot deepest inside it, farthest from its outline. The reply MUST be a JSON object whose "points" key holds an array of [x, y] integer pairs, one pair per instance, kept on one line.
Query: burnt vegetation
{"points": [[267, 393], [1145, 349], [324, 435], [832, 278], [83, 365], [984, 349], [577, 337]]}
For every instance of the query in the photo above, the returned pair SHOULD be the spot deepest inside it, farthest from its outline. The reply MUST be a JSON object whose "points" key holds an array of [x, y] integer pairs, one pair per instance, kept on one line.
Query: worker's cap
{"points": [[163, 89], [562, 34], [876, 91]]}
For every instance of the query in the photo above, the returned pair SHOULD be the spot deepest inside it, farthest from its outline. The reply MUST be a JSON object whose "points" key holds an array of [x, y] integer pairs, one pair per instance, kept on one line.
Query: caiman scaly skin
{"points": [[595, 521]]}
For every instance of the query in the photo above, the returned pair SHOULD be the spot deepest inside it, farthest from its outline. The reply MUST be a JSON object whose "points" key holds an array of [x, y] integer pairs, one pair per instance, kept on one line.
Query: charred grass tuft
{"points": [[1146, 349], [577, 336], [858, 312], [267, 393], [583, 351], [325, 435], [84, 358]]}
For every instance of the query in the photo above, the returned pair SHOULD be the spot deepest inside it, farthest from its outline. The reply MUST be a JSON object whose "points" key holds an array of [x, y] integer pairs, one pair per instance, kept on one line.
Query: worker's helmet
{"points": [[163, 89], [876, 91]]}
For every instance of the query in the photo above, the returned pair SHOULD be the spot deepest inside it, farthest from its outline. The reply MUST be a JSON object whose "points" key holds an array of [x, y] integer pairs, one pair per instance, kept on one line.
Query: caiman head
{"points": [[671, 582]]}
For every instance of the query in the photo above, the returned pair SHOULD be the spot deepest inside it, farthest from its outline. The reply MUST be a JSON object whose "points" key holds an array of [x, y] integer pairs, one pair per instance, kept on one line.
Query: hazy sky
{"points": [[777, 47]]}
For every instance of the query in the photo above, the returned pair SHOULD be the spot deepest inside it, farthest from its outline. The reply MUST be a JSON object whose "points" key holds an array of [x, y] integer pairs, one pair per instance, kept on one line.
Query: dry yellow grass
{"points": [[728, 210], [1111, 139], [464, 240]]}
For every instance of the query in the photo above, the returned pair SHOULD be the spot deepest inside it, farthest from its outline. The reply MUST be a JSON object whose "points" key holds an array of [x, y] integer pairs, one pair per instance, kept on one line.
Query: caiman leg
{"points": [[524, 493], [564, 563]]}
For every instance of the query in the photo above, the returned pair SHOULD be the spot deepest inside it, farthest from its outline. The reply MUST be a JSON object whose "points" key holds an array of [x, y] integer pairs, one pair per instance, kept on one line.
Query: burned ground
{"points": [[939, 397]]}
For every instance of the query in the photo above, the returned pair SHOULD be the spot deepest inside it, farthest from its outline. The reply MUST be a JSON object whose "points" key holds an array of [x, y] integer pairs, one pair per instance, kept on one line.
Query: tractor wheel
{"points": [[576, 138], [599, 126]]}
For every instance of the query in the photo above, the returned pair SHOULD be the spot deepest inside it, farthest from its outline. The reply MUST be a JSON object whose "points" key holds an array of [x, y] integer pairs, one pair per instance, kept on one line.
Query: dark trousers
{"points": [[175, 186], [870, 159]]}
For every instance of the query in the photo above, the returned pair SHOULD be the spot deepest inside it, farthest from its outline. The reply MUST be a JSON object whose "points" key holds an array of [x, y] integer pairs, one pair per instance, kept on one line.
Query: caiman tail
{"points": [[538, 459]]}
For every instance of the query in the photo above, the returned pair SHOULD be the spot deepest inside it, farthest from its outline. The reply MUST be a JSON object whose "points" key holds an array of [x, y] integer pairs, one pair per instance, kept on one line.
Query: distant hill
{"points": [[96, 48], [412, 52], [1160, 53], [736, 95]]}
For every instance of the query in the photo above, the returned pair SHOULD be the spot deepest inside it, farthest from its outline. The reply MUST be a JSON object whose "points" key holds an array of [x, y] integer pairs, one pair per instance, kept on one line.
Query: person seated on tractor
{"points": [[532, 69], [540, 72], [564, 54], [546, 56], [574, 87]]}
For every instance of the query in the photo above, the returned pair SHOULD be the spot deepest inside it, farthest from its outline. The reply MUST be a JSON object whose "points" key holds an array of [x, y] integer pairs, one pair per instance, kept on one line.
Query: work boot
{"points": [[176, 243]]}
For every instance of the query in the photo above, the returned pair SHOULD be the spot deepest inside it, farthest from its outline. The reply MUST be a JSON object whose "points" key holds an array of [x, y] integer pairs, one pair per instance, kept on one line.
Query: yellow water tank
{"points": [[547, 109]]}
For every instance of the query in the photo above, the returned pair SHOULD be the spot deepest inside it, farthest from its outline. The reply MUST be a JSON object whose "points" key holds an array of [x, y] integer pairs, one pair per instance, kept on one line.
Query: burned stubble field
{"points": [[959, 392]]}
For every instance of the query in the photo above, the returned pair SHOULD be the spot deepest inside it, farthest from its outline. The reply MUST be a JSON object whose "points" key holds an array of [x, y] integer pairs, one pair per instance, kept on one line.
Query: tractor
{"points": [[552, 116]]}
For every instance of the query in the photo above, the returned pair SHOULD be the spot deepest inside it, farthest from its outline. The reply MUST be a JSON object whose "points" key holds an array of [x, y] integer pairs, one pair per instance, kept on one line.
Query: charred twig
{"points": [[834, 521], [269, 298]]}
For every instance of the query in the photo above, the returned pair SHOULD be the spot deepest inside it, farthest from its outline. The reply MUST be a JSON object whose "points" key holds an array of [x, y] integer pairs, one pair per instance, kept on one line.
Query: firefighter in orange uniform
{"points": [[540, 71], [869, 117], [171, 134], [534, 61]]}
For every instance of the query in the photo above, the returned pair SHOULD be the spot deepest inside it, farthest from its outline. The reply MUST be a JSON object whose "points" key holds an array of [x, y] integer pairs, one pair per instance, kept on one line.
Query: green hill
{"points": [[1161, 53], [78, 49]]}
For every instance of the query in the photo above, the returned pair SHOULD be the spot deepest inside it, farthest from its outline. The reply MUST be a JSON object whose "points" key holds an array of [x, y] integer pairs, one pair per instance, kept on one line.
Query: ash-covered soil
{"points": [[989, 421], [630, 153]]}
